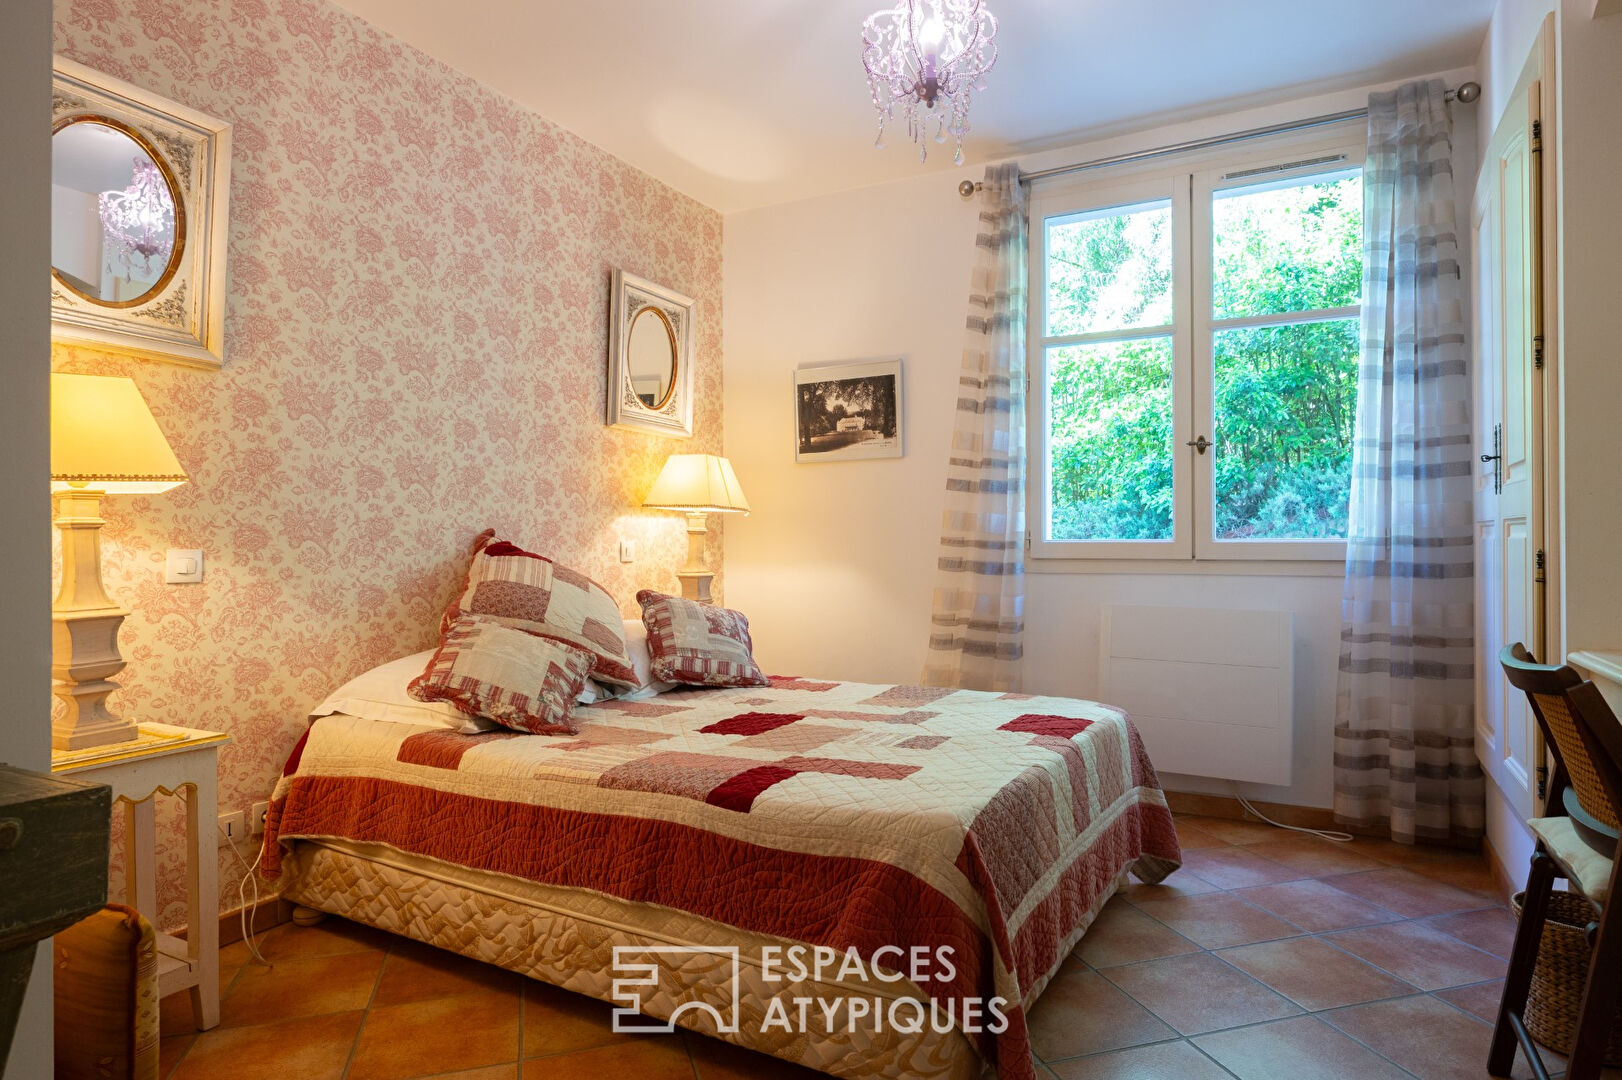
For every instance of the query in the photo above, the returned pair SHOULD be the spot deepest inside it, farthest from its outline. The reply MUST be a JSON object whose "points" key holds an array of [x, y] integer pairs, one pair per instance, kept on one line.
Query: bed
{"points": [[673, 856]]}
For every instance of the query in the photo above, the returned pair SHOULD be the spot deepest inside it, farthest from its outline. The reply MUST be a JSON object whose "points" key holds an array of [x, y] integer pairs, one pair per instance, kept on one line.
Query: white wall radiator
{"points": [[1212, 691]]}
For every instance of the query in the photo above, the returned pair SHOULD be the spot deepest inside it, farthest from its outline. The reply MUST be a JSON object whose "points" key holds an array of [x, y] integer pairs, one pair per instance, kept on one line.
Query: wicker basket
{"points": [[1560, 976]]}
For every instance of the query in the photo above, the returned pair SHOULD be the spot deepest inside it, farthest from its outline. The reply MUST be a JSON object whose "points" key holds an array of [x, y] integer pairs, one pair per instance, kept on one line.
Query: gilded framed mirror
{"points": [[650, 357], [139, 193]]}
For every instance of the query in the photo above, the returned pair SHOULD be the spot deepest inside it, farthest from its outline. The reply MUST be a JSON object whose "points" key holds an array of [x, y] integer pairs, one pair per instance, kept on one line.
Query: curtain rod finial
{"points": [[1468, 93], [967, 189]]}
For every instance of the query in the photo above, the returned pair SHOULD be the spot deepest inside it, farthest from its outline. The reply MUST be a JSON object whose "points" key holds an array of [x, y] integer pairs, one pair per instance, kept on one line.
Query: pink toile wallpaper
{"points": [[416, 340]]}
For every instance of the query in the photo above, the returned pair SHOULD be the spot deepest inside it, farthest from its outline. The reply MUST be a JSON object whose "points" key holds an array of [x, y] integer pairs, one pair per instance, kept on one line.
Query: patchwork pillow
{"points": [[525, 591], [520, 680], [698, 644]]}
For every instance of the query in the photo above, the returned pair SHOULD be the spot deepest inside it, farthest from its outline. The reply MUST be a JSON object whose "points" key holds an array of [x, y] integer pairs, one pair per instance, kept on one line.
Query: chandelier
{"points": [[139, 221], [927, 57]]}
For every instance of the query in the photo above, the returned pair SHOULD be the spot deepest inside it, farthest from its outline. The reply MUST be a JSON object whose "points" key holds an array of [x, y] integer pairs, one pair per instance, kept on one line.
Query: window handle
{"points": [[1200, 444]]}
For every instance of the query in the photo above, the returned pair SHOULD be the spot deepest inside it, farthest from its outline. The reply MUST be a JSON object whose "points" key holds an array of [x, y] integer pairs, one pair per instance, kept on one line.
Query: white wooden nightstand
{"points": [[170, 760]]}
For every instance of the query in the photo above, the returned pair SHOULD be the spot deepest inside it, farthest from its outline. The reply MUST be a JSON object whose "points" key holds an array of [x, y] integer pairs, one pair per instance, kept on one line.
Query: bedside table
{"points": [[171, 760]]}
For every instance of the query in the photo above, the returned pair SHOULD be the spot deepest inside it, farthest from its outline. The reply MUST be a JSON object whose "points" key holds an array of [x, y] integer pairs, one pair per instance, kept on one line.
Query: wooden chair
{"points": [[1577, 841]]}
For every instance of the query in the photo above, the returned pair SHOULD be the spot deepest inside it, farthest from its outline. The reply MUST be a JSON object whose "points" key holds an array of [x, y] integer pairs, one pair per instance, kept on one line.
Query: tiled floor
{"points": [[1269, 956]]}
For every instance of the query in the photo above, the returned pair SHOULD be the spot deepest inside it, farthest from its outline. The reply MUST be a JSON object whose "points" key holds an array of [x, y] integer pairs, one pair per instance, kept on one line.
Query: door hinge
{"points": [[1542, 562], [1028, 542], [1537, 135], [1537, 351], [1543, 781]]}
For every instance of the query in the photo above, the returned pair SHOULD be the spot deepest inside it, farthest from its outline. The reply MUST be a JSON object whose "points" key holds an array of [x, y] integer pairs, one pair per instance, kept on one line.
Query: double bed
{"points": [[867, 880]]}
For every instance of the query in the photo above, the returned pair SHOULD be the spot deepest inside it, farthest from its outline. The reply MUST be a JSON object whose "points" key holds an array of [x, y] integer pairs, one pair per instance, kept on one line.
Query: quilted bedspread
{"points": [[836, 814]]}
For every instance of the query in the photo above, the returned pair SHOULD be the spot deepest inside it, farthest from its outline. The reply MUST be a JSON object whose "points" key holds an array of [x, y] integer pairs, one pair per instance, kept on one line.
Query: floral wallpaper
{"points": [[415, 349]]}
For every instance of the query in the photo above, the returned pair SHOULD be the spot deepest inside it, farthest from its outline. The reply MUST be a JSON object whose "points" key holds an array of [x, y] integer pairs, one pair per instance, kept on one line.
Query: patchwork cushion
{"points": [[525, 591], [1590, 870], [106, 984], [520, 680], [698, 644]]}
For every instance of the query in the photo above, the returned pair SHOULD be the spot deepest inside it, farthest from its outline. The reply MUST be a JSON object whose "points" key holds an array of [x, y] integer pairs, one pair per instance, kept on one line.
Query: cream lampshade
{"points": [[104, 441], [697, 485]]}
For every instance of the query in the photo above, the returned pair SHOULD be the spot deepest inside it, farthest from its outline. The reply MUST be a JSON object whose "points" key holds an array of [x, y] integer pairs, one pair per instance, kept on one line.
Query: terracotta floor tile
{"points": [[557, 1021], [175, 1016], [327, 938], [1178, 883], [1425, 1036], [1191, 836], [1480, 1000], [1237, 868], [417, 972], [717, 1060], [657, 1057], [1405, 892], [1216, 920], [1304, 1048], [1315, 906], [442, 1034], [1199, 993], [1489, 929], [1424, 956], [311, 1048], [1469, 875], [1233, 831], [1313, 974], [308, 987], [1085, 1014], [170, 1049], [1315, 856], [489, 1072], [1162, 1061], [1124, 935]]}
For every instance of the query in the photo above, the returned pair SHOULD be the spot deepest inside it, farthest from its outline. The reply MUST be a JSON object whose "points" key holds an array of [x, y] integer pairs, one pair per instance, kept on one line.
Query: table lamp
{"points": [[104, 441], [697, 485]]}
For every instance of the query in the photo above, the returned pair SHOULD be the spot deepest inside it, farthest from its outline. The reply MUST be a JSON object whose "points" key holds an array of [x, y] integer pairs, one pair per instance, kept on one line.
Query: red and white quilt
{"points": [[838, 814]]}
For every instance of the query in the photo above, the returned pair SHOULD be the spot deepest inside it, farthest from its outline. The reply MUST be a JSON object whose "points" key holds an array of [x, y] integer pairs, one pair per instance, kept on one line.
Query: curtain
{"points": [[978, 617], [1404, 727]]}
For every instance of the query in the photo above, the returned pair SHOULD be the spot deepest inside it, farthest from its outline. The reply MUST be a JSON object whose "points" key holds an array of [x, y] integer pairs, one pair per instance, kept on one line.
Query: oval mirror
{"points": [[115, 235], [650, 357]]}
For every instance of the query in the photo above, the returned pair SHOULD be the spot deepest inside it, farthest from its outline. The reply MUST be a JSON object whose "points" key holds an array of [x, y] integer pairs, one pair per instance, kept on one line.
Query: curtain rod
{"points": [[1465, 94]]}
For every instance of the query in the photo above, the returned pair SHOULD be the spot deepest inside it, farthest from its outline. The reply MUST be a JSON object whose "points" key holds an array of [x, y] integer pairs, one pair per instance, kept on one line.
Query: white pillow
{"points": [[636, 646], [380, 694]]}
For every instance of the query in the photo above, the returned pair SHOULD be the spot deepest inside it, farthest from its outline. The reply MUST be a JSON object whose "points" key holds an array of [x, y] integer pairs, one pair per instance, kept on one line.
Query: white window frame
{"points": [[1190, 185]]}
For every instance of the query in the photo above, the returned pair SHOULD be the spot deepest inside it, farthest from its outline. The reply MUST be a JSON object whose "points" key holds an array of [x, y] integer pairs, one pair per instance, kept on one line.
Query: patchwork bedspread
{"points": [[860, 817]]}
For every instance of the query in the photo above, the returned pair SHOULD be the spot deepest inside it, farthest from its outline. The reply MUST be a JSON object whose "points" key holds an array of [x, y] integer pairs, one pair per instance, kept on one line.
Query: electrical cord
{"points": [[1326, 834], [249, 875]]}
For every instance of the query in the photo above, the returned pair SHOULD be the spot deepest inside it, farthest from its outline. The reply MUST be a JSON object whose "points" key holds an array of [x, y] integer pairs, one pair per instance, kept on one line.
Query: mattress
{"points": [[978, 832]]}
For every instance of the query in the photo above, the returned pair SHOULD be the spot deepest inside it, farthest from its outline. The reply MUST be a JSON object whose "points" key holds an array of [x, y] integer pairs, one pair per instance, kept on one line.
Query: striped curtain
{"points": [[1404, 729], [978, 620]]}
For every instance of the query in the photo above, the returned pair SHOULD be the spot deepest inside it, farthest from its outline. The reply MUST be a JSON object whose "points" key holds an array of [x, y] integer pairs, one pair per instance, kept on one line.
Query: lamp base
{"points": [[695, 585], [84, 631]]}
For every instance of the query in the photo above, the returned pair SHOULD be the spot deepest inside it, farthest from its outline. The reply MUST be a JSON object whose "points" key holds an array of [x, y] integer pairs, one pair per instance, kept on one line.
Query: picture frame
{"points": [[160, 296], [650, 357], [849, 411]]}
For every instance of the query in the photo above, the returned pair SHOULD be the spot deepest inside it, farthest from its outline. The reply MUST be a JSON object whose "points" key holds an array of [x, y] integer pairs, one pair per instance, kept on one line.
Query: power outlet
{"points": [[257, 816], [234, 826]]}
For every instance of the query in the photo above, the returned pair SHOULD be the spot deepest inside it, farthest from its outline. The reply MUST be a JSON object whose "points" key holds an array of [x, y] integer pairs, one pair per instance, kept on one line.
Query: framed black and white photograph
{"points": [[846, 412]]}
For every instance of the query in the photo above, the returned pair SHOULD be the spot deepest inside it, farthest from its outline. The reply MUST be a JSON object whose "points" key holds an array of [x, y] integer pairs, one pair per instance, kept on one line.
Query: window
{"points": [[1219, 304]]}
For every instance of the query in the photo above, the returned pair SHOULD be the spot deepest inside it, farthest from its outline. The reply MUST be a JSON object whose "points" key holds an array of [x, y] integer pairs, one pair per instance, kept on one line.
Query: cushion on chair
{"points": [[106, 988], [1590, 871]]}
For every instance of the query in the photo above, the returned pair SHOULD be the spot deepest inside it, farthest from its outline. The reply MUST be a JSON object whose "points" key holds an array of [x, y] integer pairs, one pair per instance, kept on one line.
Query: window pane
{"points": [[1286, 399], [1110, 440], [1294, 245], [1109, 269]]}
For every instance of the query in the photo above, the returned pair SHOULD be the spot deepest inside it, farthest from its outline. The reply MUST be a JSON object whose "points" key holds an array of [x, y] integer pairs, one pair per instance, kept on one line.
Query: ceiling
{"points": [[744, 103]]}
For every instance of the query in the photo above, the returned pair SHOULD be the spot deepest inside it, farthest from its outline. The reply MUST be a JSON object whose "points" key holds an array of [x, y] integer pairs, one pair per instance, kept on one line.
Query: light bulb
{"points": [[932, 35]]}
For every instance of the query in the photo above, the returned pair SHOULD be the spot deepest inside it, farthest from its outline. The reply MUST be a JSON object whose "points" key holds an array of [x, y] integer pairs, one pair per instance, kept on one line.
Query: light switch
{"points": [[627, 551], [183, 567]]}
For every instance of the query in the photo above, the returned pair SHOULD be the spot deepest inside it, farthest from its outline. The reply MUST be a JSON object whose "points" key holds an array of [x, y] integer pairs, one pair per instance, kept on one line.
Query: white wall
{"points": [[25, 87], [836, 565]]}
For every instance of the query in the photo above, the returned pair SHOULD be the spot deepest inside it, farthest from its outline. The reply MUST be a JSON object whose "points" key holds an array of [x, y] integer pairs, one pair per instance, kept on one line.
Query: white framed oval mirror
{"points": [[116, 233], [650, 357]]}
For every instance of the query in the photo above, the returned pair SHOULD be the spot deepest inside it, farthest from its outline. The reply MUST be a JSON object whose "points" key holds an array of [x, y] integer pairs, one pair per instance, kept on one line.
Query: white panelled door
{"points": [[1509, 432]]}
